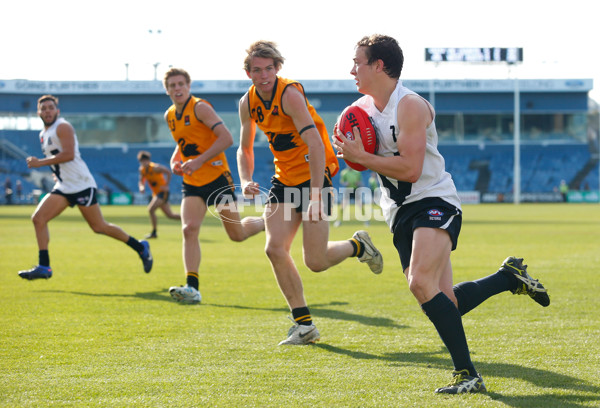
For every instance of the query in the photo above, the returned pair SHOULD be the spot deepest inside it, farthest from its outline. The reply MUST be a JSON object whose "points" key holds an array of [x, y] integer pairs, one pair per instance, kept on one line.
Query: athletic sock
{"points": [[191, 278], [44, 257], [135, 244], [359, 248], [445, 317], [302, 316], [472, 294]]}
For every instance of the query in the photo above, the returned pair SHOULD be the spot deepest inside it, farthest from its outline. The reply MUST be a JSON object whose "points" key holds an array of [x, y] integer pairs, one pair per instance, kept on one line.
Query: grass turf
{"points": [[101, 332]]}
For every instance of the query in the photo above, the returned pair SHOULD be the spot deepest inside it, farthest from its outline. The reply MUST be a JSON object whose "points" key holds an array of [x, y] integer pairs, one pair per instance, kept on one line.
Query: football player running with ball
{"points": [[304, 164], [421, 204], [75, 185]]}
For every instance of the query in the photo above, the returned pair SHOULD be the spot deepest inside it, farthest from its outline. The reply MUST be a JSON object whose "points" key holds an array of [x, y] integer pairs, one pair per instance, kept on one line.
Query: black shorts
{"points": [[299, 195], [163, 195], [219, 191], [429, 213], [85, 198]]}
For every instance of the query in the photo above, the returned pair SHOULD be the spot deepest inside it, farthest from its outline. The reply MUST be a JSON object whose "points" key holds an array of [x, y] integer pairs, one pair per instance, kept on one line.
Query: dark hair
{"points": [[45, 98], [143, 155], [385, 48]]}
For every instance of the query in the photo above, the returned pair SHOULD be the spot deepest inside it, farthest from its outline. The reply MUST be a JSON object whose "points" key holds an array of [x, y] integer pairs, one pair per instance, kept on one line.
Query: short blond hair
{"points": [[263, 49], [174, 72]]}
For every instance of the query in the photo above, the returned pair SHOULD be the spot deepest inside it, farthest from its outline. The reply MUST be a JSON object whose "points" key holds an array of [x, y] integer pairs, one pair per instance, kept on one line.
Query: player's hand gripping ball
{"points": [[351, 117]]}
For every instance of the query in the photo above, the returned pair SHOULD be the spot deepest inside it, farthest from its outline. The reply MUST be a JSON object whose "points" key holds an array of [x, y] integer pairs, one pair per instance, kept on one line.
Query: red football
{"points": [[351, 117]]}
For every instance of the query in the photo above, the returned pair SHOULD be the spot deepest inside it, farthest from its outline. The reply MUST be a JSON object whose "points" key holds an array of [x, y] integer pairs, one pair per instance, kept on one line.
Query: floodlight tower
{"points": [[510, 56], [516, 139], [156, 36]]}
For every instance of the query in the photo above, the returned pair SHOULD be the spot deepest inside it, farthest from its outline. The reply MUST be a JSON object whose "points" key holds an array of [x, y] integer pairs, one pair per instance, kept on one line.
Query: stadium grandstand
{"points": [[559, 135]]}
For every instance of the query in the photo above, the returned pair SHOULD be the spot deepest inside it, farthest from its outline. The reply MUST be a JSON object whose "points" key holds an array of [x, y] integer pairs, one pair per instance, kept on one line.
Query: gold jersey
{"points": [[193, 137], [289, 150], [154, 177]]}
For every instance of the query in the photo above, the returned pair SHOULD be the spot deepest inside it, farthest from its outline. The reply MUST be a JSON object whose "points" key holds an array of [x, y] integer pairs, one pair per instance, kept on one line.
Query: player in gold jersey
{"points": [[158, 177], [304, 164], [199, 157]]}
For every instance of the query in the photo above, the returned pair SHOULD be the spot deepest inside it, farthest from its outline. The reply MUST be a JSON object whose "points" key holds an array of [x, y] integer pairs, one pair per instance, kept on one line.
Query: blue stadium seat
{"points": [[543, 165]]}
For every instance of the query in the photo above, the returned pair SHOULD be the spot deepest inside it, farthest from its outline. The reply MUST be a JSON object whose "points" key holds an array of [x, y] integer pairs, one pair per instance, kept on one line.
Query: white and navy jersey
{"points": [[72, 176], [434, 181]]}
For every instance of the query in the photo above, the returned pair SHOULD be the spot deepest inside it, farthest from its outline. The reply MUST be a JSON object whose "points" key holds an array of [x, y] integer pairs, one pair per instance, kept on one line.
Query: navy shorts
{"points": [[163, 195], [219, 191], [85, 198], [428, 213], [299, 195]]}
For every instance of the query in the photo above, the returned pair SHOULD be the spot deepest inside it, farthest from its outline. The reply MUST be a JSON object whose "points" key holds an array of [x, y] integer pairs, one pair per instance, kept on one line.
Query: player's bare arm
{"points": [[205, 113], [66, 134], [294, 104], [167, 174], [176, 162], [245, 152], [141, 181]]}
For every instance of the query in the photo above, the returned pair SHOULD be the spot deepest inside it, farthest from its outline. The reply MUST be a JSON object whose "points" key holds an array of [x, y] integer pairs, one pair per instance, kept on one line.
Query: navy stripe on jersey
{"points": [[398, 194]]}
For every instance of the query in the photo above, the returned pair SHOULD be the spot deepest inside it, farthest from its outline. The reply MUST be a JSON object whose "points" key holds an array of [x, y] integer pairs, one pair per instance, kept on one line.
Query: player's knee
{"points": [[37, 219], [275, 252], [315, 265], [190, 230], [417, 285], [99, 228], [236, 236]]}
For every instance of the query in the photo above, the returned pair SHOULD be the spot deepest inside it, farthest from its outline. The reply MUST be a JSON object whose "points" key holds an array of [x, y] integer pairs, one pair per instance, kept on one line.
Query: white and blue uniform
{"points": [[72, 176], [434, 181]]}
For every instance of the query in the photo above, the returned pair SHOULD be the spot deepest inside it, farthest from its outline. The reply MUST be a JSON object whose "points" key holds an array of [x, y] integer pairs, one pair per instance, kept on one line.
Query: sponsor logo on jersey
{"points": [[186, 120]]}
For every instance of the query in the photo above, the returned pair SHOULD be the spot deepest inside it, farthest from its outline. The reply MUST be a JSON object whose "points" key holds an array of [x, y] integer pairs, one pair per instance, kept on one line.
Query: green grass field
{"points": [[103, 333]]}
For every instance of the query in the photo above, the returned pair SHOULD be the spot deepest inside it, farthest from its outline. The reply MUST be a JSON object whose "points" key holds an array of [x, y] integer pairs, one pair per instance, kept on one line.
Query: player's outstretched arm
{"points": [[245, 152]]}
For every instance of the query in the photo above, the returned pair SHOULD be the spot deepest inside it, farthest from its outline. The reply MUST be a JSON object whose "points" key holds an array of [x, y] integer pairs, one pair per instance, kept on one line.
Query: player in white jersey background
{"points": [[75, 185], [421, 204]]}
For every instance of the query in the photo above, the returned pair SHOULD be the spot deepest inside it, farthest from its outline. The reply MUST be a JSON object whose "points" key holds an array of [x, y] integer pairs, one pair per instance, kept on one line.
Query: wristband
{"points": [[304, 129]]}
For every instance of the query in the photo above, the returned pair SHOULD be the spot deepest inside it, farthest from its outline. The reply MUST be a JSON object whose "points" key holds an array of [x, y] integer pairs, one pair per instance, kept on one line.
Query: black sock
{"points": [[191, 279], [44, 257], [135, 244], [445, 317], [472, 294], [302, 316], [359, 249]]}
